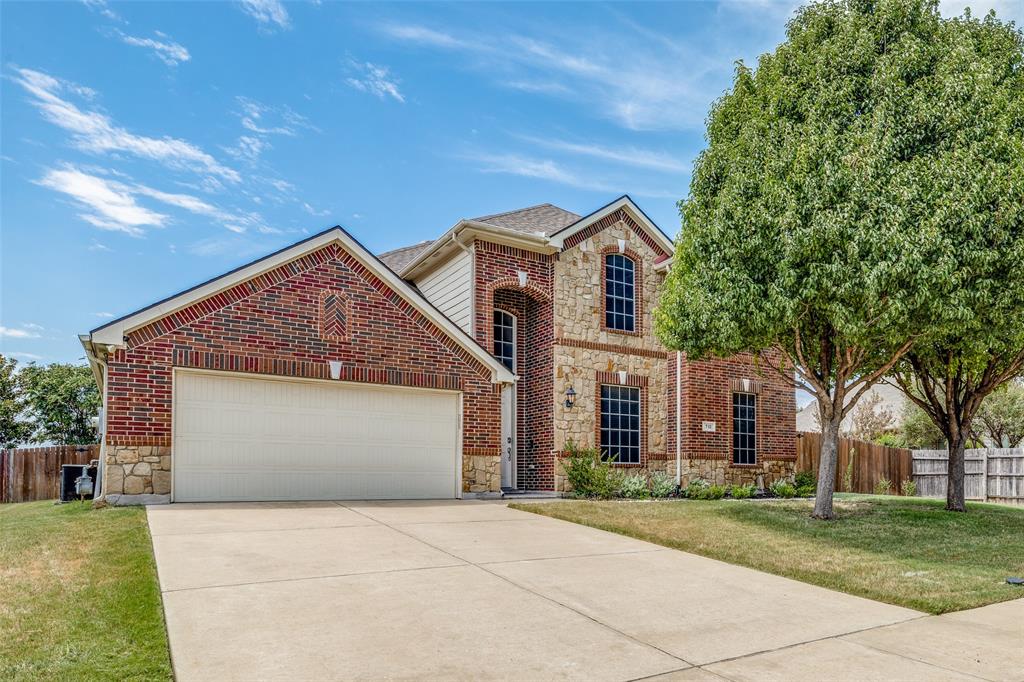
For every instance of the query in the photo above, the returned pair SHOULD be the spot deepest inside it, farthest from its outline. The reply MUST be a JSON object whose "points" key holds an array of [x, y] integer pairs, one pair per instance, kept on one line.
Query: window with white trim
{"points": [[744, 428], [620, 424], [619, 293], [505, 338]]}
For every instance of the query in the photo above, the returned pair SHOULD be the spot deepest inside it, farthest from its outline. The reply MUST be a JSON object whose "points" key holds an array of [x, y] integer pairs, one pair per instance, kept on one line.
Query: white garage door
{"points": [[244, 438]]}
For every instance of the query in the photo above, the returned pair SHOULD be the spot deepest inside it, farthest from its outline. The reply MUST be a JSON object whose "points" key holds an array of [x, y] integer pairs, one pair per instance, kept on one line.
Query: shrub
{"points": [[662, 485], [908, 488], [695, 488], [588, 474], [883, 487], [782, 488], [742, 492], [635, 487], [806, 490], [805, 478], [712, 492]]}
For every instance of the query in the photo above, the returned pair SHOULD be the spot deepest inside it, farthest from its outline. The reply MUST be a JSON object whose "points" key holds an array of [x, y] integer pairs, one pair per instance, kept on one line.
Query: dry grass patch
{"points": [[904, 551], [78, 595]]}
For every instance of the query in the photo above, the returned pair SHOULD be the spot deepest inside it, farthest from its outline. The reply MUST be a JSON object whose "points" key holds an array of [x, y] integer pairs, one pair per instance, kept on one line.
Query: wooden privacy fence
{"points": [[871, 462], [28, 474], [990, 474]]}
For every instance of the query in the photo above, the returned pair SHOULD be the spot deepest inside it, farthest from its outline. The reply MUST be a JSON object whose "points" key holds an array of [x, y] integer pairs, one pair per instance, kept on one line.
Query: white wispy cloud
{"points": [[115, 205], [312, 211], [101, 7], [96, 132], [13, 333], [163, 47], [631, 156], [269, 13], [25, 356], [248, 147], [543, 169], [97, 246], [642, 85], [262, 121], [376, 80], [108, 205], [103, 315]]}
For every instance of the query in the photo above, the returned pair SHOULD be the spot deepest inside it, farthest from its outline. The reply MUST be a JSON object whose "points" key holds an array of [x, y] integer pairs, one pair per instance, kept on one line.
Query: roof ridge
{"points": [[520, 210], [407, 247]]}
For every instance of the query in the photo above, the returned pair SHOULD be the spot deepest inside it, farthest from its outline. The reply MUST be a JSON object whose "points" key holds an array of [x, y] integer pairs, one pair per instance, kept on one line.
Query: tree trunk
{"points": [[827, 468], [955, 474]]}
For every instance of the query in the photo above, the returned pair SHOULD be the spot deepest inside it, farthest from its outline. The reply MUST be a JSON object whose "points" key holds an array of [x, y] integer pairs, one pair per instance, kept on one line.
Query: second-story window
{"points": [[619, 293]]}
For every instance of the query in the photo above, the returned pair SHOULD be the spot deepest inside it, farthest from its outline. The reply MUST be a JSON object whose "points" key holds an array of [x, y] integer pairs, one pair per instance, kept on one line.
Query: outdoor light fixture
{"points": [[335, 366], [570, 397]]}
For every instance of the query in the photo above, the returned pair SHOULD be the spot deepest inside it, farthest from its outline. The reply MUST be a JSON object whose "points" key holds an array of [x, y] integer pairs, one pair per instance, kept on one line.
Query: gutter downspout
{"points": [[679, 438], [102, 468]]}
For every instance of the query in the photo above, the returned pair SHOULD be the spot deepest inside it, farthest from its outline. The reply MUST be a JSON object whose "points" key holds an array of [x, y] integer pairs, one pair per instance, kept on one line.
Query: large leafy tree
{"points": [[814, 229], [975, 339], [1001, 416], [61, 400], [14, 430]]}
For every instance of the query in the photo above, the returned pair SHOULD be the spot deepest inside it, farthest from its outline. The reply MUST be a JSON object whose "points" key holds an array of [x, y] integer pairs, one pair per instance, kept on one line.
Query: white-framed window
{"points": [[619, 292], [620, 424], [505, 338], [744, 428]]}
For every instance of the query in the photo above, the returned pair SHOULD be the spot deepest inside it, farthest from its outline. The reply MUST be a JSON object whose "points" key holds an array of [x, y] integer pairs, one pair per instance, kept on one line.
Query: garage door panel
{"points": [[248, 438]]}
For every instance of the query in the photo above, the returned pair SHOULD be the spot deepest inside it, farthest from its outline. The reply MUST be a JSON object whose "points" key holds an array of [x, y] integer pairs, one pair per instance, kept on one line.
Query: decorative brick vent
{"points": [[333, 316]]}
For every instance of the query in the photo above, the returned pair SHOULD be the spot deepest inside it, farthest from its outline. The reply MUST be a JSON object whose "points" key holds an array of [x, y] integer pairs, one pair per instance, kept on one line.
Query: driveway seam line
{"points": [[912, 658], [570, 556], [263, 530], [537, 594], [315, 577]]}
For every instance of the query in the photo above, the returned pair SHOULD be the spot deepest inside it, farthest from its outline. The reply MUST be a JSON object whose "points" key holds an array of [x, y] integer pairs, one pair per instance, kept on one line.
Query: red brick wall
{"points": [[497, 284], [271, 325], [707, 396]]}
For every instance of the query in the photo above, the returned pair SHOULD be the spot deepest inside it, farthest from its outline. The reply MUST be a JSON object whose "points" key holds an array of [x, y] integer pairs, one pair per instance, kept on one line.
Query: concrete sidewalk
{"points": [[474, 590]]}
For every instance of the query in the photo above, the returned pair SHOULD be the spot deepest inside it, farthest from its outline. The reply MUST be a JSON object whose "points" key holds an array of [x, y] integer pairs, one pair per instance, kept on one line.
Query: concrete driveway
{"points": [[474, 590]]}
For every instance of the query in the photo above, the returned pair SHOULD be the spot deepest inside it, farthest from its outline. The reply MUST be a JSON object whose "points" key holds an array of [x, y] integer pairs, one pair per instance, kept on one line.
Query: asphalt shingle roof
{"points": [[398, 259], [545, 219]]}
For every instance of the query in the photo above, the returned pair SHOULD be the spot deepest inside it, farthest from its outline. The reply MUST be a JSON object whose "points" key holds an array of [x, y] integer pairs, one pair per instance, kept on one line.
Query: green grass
{"points": [[79, 598], [904, 551]]}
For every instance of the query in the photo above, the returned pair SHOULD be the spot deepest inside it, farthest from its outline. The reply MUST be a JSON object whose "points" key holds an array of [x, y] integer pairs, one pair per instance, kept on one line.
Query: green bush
{"points": [[662, 485], [589, 475], [782, 488], [712, 492], [742, 492], [806, 490], [805, 478], [883, 487], [908, 488], [634, 487], [695, 488]]}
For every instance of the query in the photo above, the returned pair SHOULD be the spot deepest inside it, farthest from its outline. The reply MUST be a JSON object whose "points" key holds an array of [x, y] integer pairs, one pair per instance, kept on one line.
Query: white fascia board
{"points": [[558, 239], [665, 264], [113, 333], [464, 232]]}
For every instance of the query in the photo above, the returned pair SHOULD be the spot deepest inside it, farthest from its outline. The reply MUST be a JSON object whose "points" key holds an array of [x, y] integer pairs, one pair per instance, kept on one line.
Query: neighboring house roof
{"points": [[397, 259], [892, 399], [113, 333], [545, 219]]}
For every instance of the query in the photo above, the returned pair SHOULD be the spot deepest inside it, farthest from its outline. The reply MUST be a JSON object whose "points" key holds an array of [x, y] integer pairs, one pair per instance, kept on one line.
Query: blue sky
{"points": [[146, 147]]}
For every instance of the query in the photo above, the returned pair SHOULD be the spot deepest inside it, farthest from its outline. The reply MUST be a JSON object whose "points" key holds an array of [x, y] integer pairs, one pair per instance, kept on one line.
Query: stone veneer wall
{"points": [[137, 470], [586, 352]]}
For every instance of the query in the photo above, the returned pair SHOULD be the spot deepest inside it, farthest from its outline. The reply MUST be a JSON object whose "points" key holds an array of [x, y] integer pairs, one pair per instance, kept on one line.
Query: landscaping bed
{"points": [[79, 597], [904, 551]]}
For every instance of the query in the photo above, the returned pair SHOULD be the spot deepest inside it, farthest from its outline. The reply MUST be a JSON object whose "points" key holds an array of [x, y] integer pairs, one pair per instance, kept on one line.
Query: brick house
{"points": [[460, 365]]}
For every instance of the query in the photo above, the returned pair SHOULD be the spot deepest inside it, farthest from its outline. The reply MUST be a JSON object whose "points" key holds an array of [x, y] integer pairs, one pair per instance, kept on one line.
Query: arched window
{"points": [[619, 293], [505, 338]]}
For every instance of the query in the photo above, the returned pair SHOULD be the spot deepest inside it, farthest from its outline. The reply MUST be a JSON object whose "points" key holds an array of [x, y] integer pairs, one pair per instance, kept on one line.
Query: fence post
{"points": [[984, 475]]}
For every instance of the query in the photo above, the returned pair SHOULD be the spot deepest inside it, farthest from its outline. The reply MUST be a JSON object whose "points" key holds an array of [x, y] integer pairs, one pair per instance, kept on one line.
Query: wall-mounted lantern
{"points": [[335, 366], [570, 398]]}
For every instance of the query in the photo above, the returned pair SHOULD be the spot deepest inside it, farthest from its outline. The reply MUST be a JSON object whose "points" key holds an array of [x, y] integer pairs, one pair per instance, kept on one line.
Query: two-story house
{"points": [[459, 365]]}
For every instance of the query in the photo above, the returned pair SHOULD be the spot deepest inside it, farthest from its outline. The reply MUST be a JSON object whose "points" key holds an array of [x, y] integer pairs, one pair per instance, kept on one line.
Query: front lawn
{"points": [[905, 551], [78, 595]]}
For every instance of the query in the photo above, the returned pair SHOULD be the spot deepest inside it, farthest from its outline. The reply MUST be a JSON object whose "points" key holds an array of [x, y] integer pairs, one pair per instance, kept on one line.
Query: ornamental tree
{"points": [[813, 234], [1001, 416], [61, 400]]}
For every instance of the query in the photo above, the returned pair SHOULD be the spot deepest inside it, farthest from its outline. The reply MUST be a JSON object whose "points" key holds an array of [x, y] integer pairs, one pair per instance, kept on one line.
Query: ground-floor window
{"points": [[744, 428], [620, 424]]}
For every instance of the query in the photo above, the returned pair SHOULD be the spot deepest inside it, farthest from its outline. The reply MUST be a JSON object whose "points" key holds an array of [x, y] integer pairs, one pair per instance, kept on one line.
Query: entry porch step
{"points": [[528, 494]]}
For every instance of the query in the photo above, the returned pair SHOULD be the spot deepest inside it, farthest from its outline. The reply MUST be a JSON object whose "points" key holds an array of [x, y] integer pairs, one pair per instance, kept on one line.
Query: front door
{"points": [[508, 438]]}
